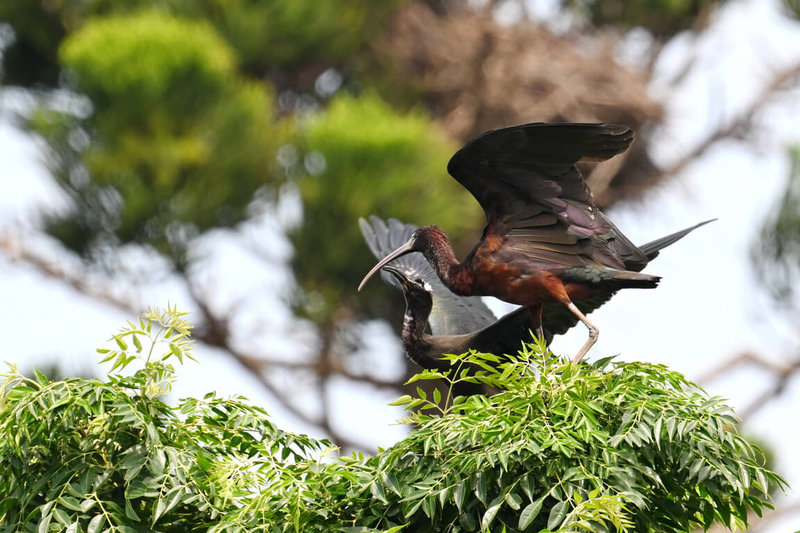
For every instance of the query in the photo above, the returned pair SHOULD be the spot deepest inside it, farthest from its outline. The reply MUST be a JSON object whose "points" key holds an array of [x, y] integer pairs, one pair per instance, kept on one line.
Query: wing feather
{"points": [[526, 177]]}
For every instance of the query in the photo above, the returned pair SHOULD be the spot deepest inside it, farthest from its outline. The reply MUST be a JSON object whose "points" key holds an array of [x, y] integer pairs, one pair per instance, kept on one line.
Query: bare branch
{"points": [[739, 123], [782, 373], [214, 330]]}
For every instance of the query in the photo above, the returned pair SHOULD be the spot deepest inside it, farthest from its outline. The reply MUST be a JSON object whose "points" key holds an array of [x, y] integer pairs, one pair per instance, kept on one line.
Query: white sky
{"points": [[707, 308]]}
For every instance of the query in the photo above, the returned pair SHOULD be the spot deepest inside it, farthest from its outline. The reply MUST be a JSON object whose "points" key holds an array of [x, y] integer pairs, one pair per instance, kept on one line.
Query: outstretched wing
{"points": [[526, 179], [451, 314]]}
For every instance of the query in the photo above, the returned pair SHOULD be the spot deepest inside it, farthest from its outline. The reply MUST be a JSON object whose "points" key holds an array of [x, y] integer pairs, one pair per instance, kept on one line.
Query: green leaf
{"points": [[87, 504], [171, 499], [61, 516], [140, 489], [528, 486], [557, 514], [158, 459], [70, 503], [429, 506], [491, 512], [708, 514], [460, 494], [176, 351], [657, 431], [41, 379], [390, 481], [377, 492], [129, 512], [529, 513], [121, 343], [44, 523], [514, 500], [402, 400], [481, 480], [161, 506]]}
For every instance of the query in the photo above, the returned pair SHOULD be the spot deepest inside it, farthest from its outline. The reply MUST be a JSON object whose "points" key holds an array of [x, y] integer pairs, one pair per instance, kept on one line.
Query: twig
{"points": [[782, 372], [215, 331], [738, 123]]}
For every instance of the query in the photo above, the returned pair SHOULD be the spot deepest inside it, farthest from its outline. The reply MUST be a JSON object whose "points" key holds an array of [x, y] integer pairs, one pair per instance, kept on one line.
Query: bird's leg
{"points": [[536, 320], [593, 332]]}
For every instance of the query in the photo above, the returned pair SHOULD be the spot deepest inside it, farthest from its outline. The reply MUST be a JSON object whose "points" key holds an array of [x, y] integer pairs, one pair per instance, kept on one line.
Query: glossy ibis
{"points": [[545, 240], [462, 323]]}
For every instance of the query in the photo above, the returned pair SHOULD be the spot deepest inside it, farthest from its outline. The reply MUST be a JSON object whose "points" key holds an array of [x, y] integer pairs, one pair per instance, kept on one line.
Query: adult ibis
{"points": [[545, 240]]}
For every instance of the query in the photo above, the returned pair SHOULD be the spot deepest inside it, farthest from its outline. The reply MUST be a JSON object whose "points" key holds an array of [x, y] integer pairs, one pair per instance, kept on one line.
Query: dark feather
{"points": [[525, 176]]}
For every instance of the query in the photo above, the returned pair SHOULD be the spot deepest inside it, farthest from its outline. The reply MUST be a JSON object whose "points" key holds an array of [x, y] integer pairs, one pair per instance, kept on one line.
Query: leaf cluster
{"points": [[561, 447], [363, 156], [280, 34], [631, 447], [91, 455], [175, 139]]}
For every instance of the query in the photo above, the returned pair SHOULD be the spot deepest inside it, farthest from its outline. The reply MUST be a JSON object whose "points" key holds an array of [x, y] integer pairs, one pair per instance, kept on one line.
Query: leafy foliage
{"points": [[91, 455], [166, 103], [567, 448], [362, 156], [662, 17], [265, 35], [633, 447]]}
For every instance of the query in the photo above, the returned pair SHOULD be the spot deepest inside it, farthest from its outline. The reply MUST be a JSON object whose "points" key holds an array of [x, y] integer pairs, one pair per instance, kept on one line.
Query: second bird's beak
{"points": [[402, 250], [398, 275]]}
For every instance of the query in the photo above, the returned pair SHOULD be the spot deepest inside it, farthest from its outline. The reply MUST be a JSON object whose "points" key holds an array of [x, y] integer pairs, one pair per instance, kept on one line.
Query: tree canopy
{"points": [[563, 447]]}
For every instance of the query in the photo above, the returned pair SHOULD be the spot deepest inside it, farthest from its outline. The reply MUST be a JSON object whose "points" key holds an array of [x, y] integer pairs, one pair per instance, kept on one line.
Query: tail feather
{"points": [[610, 278], [652, 248]]}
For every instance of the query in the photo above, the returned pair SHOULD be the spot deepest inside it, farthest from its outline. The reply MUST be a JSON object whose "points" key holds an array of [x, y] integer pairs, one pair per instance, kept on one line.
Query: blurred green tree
{"points": [[663, 18], [175, 138], [362, 156], [286, 39]]}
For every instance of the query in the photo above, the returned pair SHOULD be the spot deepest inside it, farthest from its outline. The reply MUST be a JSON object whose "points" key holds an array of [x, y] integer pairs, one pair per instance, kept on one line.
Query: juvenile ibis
{"points": [[545, 240]]}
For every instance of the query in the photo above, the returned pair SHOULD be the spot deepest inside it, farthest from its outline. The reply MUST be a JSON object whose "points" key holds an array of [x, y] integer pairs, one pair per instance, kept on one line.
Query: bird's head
{"points": [[420, 241], [417, 292]]}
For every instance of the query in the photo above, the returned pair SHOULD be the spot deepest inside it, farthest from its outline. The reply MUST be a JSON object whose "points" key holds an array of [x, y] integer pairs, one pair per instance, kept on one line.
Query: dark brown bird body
{"points": [[462, 323], [545, 240]]}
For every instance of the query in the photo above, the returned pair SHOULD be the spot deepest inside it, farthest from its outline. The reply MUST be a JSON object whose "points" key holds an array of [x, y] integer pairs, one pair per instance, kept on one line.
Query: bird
{"points": [[462, 323], [545, 240]]}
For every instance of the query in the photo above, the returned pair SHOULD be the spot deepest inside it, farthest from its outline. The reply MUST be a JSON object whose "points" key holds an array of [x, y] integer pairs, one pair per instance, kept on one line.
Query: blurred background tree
{"points": [[178, 129]]}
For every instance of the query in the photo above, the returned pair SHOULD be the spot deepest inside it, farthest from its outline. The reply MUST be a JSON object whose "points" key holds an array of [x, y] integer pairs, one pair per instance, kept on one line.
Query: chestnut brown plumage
{"points": [[458, 324], [545, 240]]}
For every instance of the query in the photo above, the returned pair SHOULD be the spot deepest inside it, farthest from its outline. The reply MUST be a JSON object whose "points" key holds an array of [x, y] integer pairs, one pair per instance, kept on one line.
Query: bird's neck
{"points": [[415, 341], [441, 256], [413, 327]]}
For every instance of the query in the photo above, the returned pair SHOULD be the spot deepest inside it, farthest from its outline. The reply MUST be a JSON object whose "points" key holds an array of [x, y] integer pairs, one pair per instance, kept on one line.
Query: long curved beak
{"points": [[401, 250]]}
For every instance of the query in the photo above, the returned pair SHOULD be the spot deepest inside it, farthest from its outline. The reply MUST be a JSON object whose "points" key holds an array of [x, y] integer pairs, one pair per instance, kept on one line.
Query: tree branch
{"points": [[781, 372], [213, 331], [739, 122]]}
